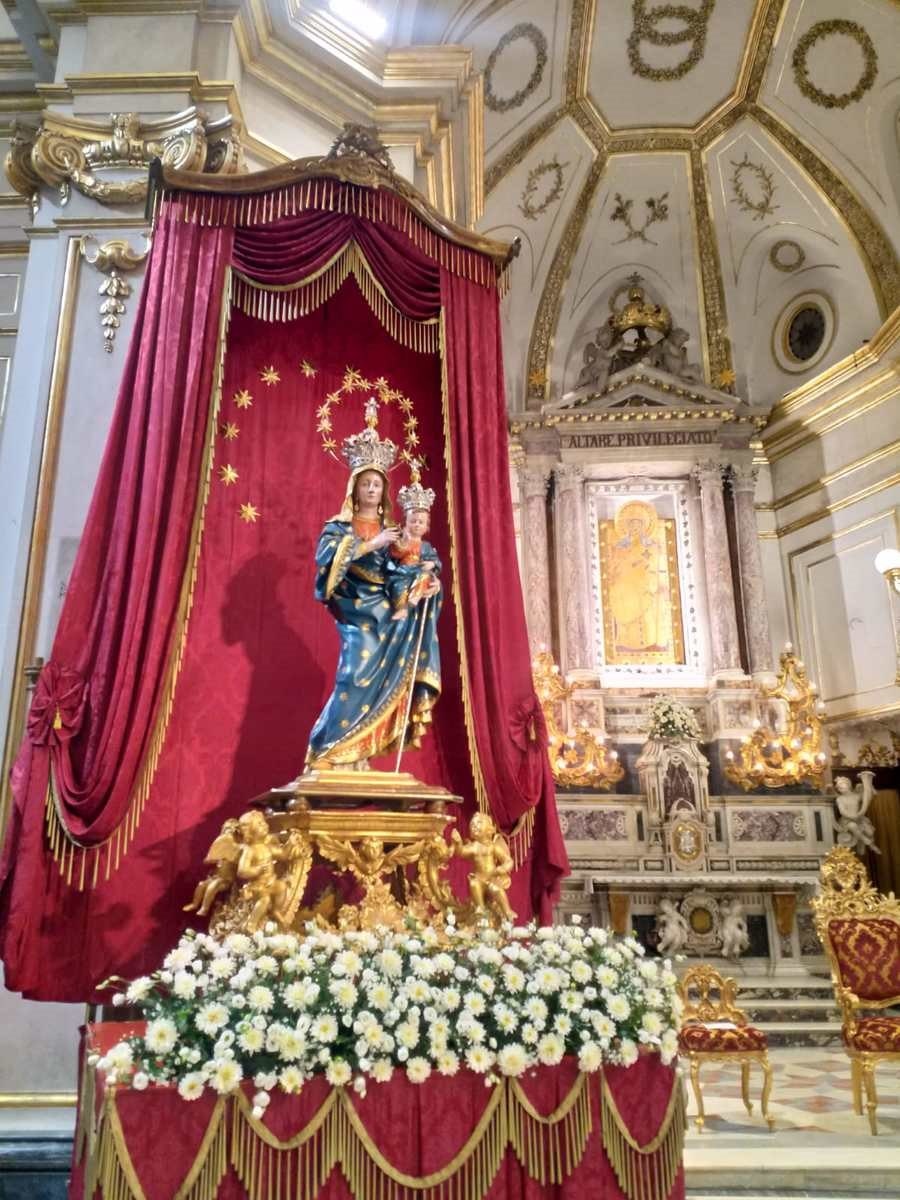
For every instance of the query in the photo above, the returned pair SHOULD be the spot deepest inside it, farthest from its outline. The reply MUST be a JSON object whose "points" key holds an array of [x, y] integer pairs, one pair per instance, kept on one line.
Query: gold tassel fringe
{"points": [[330, 195], [519, 839], [285, 302], [81, 866], [548, 1147], [468, 718], [645, 1172]]}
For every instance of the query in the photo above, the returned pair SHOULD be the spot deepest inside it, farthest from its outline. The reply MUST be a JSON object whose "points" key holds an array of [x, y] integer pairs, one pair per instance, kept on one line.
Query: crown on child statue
{"points": [[366, 449], [414, 495]]}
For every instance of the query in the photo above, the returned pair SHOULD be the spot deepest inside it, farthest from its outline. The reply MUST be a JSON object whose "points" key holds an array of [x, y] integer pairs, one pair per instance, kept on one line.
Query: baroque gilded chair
{"points": [[716, 1030], [860, 930]]}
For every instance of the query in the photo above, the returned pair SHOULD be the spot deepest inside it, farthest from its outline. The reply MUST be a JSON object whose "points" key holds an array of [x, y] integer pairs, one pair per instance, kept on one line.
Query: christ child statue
{"points": [[414, 565]]}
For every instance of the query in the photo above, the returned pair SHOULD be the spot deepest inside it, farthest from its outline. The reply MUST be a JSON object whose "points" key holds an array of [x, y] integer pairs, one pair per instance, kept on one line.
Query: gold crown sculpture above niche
{"points": [[774, 759], [636, 331], [639, 313], [64, 152], [579, 757]]}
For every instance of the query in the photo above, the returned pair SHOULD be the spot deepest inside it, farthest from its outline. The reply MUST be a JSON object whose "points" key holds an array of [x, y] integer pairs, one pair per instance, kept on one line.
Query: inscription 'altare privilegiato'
{"points": [[650, 437]]}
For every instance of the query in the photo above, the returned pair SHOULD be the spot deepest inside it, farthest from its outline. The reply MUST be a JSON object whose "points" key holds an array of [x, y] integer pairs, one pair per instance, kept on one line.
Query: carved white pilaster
{"points": [[572, 567], [723, 629], [742, 481], [536, 555]]}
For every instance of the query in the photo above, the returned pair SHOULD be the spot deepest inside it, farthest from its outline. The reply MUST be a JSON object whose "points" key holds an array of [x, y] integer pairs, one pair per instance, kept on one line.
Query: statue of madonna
{"points": [[388, 647]]}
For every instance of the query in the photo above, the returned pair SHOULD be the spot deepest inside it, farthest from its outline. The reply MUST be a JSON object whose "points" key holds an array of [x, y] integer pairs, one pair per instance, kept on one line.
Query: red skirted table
{"points": [[555, 1133]]}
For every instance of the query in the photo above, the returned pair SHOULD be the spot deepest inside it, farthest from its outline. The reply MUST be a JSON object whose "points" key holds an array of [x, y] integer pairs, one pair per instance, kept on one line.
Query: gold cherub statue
{"points": [[491, 871], [270, 895], [224, 852]]}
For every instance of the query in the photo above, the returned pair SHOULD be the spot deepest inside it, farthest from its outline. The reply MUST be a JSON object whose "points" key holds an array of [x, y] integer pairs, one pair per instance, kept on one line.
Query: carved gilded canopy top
{"points": [[357, 157], [65, 151]]}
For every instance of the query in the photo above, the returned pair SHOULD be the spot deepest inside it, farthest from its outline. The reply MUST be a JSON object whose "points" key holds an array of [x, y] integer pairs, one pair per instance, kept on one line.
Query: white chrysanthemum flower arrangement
{"points": [[669, 718], [278, 1008]]}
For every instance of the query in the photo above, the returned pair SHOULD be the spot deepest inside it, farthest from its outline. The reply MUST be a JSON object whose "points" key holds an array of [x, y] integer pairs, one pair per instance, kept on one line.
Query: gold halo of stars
{"points": [[355, 381]]}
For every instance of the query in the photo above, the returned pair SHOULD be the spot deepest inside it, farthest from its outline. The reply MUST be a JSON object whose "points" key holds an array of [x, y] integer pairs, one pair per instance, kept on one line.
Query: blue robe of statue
{"points": [[365, 714]]}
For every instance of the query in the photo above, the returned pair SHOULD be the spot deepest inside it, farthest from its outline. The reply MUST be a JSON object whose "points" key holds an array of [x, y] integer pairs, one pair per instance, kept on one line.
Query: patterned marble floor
{"points": [[819, 1146]]}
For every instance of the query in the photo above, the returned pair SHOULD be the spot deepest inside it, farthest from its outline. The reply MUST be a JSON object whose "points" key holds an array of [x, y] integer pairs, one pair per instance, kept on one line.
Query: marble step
{"points": [[802, 1033], [815, 1009]]}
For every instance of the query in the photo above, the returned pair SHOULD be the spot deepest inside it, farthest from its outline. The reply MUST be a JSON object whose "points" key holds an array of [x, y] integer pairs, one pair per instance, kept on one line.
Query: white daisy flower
{"points": [[211, 1018], [190, 1087], [418, 1069], [161, 1035], [512, 1059], [226, 1076], [338, 1072]]}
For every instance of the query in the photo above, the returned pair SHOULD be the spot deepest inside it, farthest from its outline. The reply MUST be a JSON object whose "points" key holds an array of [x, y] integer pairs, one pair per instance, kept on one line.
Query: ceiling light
{"points": [[361, 16]]}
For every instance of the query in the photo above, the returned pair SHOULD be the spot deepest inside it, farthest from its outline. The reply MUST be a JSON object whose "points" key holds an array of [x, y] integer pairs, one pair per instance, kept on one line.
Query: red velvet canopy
{"points": [[143, 715]]}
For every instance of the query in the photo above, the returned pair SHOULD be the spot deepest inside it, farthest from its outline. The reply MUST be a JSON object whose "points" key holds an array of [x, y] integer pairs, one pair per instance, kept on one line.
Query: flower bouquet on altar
{"points": [[670, 720], [277, 1008]]}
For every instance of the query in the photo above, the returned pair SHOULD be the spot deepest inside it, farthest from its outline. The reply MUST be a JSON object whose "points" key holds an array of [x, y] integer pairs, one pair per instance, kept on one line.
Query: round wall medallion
{"points": [[803, 332], [787, 255], [530, 33], [825, 29]]}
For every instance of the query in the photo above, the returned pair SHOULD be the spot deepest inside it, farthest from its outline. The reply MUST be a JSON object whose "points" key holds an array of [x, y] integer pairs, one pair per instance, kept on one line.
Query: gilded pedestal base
{"points": [[262, 861]]}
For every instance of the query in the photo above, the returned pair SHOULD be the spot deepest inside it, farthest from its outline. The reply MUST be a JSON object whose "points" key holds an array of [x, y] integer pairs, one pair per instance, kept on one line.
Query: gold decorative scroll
{"points": [[639, 588], [66, 151]]}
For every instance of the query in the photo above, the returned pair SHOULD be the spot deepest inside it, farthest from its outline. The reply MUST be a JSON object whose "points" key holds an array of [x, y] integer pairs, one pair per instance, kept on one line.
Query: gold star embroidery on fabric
{"points": [[269, 376], [344, 723], [365, 654], [353, 380], [365, 708], [228, 474], [230, 431], [243, 399], [249, 513], [329, 444], [308, 369], [726, 377]]}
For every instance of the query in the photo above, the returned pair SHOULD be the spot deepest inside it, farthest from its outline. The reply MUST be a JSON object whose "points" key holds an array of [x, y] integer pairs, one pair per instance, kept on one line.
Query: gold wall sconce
{"points": [[773, 759], [579, 757]]}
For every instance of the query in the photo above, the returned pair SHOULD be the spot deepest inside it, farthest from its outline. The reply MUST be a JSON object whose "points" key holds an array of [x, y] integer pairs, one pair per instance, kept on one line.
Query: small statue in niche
{"points": [[598, 357], [669, 354], [672, 929], [735, 935], [853, 828], [678, 789]]}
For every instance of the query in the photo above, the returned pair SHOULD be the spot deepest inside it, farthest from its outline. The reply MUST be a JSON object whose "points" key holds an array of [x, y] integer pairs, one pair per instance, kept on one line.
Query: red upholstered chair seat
{"points": [[875, 1035], [737, 1039], [867, 950]]}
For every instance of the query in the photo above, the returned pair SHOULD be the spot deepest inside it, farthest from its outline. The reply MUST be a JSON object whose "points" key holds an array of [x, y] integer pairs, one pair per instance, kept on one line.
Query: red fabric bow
{"points": [[57, 709]]}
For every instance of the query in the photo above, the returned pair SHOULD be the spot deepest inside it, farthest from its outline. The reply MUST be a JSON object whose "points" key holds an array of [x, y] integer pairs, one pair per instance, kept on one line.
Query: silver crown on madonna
{"points": [[414, 495], [366, 449]]}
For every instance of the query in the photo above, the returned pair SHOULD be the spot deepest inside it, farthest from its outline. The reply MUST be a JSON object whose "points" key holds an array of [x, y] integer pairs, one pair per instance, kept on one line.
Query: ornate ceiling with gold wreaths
{"points": [[741, 156]]}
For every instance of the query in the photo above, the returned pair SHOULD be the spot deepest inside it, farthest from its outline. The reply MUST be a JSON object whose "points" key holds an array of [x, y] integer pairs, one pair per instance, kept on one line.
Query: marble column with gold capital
{"points": [[533, 483], [742, 481], [572, 568], [723, 629]]}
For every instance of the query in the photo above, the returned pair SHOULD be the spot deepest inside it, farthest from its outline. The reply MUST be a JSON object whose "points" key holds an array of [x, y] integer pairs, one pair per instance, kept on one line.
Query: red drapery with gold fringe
{"points": [[554, 1134], [120, 785]]}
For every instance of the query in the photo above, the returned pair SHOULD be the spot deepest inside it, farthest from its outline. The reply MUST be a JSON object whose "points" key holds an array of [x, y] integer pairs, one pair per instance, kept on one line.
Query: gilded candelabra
{"points": [[578, 757], [773, 759]]}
